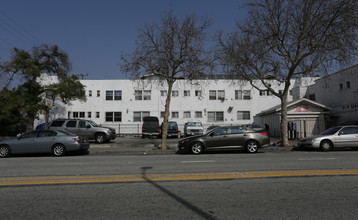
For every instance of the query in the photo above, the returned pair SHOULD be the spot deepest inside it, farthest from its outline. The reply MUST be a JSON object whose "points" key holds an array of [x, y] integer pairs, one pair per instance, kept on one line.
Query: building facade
{"points": [[123, 103]]}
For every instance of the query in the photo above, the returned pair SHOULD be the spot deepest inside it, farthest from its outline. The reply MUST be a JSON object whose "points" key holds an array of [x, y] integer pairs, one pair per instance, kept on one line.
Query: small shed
{"points": [[305, 118]]}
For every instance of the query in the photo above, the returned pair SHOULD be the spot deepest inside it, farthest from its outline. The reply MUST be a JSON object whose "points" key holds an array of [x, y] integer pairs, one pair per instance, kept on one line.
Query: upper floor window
{"points": [[98, 93], [113, 95], [142, 95], [217, 95], [243, 115], [198, 93], [186, 93], [348, 83], [187, 114], [90, 93], [242, 94], [138, 116], [175, 93], [163, 93], [198, 114], [175, 114]]}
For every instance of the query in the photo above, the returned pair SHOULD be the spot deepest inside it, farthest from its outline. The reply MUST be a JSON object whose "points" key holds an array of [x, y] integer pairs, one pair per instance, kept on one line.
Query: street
{"points": [[277, 185]]}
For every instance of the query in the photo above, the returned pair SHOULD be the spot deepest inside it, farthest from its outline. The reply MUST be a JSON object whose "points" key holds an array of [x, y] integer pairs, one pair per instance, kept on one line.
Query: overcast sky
{"points": [[94, 33]]}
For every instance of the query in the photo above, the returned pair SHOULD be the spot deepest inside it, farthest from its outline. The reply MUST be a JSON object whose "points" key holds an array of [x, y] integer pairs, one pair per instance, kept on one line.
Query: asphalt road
{"points": [[277, 185]]}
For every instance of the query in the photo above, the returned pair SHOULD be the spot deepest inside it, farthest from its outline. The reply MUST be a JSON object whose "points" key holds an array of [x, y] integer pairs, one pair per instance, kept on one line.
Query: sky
{"points": [[95, 33]]}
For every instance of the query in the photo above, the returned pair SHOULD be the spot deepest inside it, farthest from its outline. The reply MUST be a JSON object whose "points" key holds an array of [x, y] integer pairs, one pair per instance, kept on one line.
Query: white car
{"points": [[335, 137], [193, 128]]}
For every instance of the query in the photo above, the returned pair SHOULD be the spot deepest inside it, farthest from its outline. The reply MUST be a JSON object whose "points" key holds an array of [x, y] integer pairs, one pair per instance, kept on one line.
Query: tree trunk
{"points": [[166, 116], [284, 129]]}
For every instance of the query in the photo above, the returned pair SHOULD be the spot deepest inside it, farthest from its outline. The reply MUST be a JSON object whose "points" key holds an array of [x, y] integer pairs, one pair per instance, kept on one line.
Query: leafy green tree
{"points": [[29, 67]]}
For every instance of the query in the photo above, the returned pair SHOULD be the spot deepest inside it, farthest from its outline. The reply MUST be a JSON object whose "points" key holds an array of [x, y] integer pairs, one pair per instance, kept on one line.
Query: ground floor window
{"points": [[113, 116], [215, 116], [138, 116], [243, 115], [198, 114]]}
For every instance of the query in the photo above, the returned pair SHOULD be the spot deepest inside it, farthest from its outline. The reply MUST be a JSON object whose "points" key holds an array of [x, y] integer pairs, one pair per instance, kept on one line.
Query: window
{"points": [[90, 93], [212, 95], [146, 95], [198, 114], [138, 116], [175, 93], [348, 83], [71, 124], [89, 114], [198, 93], [142, 95], [215, 116], [97, 114], [242, 94], [113, 116], [220, 95], [187, 114], [243, 115], [341, 86], [138, 94], [162, 114], [109, 95], [118, 95], [98, 93], [163, 93], [186, 93], [82, 114], [175, 114], [265, 92], [349, 130], [312, 97], [75, 114]]}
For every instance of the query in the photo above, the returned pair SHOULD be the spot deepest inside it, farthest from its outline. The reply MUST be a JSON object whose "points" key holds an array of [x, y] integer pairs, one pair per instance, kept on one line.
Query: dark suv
{"points": [[85, 128]]}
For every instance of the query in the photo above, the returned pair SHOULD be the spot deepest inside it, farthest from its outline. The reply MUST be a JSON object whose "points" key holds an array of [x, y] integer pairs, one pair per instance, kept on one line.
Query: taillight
{"points": [[264, 133], [78, 139], [142, 127]]}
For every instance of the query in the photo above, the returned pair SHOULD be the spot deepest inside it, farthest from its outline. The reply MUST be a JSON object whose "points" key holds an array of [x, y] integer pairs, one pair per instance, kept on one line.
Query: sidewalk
{"points": [[137, 146]]}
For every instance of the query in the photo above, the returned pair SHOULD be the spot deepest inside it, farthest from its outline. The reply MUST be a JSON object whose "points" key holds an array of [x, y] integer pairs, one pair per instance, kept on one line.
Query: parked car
{"points": [[193, 128], [85, 128], [212, 127], [44, 141], [150, 127], [254, 127], [226, 138], [335, 137], [172, 131]]}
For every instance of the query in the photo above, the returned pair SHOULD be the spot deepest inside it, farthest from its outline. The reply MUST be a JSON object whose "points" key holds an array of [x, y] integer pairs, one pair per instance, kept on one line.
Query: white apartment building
{"points": [[122, 103], [315, 103]]}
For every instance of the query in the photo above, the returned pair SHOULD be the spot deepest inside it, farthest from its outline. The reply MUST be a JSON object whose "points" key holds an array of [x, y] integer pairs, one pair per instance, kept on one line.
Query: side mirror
{"points": [[88, 126], [18, 136]]}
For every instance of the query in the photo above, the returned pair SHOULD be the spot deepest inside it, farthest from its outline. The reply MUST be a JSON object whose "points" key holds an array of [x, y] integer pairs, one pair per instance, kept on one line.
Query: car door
{"points": [[236, 137], [347, 137], [83, 129], [25, 143], [44, 142], [71, 126], [217, 139]]}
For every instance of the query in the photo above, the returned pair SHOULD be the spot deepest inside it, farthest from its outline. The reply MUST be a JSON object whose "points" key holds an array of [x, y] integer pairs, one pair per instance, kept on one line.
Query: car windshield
{"points": [[93, 124], [194, 124], [331, 131]]}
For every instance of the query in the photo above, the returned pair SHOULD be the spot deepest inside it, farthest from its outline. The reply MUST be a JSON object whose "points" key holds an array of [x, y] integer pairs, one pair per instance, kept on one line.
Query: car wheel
{"points": [[100, 138], [4, 151], [58, 150], [252, 146], [197, 148], [326, 145]]}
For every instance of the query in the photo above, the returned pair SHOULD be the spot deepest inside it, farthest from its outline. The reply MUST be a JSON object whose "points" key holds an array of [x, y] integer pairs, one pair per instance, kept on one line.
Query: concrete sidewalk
{"points": [[138, 146]]}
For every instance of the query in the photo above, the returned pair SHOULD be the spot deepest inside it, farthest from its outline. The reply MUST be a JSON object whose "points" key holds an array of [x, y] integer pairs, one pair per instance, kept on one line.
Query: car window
{"points": [[237, 130], [71, 124], [31, 134], [47, 134], [82, 124], [331, 131], [349, 130], [220, 131], [57, 123]]}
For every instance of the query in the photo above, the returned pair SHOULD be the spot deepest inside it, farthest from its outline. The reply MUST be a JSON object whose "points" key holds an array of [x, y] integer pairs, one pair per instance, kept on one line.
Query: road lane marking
{"points": [[304, 159], [200, 161], [45, 180]]}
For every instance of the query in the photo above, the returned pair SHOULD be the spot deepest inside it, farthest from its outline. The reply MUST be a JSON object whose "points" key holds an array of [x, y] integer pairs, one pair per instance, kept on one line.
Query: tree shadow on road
{"points": [[183, 202]]}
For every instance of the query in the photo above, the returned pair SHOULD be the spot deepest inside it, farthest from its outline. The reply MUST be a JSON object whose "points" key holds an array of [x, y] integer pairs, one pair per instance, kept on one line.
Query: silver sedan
{"points": [[44, 141], [335, 137]]}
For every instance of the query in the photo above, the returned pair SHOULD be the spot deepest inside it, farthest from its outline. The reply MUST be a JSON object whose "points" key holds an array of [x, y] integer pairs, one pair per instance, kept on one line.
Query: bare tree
{"points": [[170, 50], [285, 39]]}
